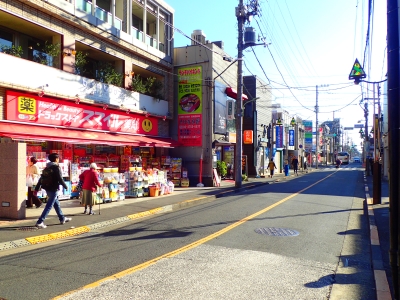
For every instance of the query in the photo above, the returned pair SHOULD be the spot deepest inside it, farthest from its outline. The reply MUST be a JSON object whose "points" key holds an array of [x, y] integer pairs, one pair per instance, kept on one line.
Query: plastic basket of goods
{"points": [[154, 191]]}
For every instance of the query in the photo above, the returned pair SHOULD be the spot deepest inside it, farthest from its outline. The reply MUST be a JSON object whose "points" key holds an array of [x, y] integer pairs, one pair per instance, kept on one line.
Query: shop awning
{"points": [[231, 92], [57, 134]]}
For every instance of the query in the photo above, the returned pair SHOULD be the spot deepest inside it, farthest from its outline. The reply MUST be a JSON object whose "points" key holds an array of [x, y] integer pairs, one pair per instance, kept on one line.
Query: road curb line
{"points": [[84, 229], [381, 282]]}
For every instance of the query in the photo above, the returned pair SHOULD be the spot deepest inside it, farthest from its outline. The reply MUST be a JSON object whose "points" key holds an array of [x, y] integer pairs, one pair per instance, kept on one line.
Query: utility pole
{"points": [[394, 127], [316, 128], [241, 17], [366, 144], [242, 14]]}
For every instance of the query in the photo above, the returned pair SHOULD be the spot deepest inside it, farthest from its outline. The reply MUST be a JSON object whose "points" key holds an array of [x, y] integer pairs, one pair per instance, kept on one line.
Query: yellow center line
{"points": [[189, 246]]}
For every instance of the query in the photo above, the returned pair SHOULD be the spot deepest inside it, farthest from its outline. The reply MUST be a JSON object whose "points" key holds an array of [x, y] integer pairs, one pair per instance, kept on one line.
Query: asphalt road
{"points": [[306, 238]]}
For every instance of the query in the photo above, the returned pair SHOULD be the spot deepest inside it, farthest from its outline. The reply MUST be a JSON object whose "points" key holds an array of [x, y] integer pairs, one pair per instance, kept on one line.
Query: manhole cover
{"points": [[277, 231]]}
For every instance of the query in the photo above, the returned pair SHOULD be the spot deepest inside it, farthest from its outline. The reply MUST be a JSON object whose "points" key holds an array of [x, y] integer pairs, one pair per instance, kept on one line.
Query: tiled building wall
{"points": [[12, 180]]}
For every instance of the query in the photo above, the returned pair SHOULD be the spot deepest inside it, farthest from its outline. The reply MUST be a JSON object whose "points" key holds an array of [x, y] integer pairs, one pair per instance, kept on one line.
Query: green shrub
{"points": [[221, 168]]}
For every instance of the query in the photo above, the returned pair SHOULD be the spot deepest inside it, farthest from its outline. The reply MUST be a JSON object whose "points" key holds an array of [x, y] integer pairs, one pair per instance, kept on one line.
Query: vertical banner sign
{"points": [[190, 106], [308, 136], [291, 137], [279, 136], [248, 137]]}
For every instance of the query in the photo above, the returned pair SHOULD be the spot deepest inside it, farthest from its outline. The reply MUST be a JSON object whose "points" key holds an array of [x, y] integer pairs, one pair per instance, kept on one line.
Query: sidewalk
{"points": [[378, 216]]}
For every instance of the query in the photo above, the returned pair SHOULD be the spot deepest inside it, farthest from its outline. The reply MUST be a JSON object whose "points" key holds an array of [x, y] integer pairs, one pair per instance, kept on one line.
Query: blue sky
{"points": [[312, 42]]}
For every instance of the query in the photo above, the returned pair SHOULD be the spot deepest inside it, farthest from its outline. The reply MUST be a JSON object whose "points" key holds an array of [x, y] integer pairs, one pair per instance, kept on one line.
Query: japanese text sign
{"points": [[33, 109]]}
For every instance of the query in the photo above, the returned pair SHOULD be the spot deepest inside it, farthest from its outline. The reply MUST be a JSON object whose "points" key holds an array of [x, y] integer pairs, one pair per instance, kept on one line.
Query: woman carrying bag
{"points": [[90, 183], [32, 177]]}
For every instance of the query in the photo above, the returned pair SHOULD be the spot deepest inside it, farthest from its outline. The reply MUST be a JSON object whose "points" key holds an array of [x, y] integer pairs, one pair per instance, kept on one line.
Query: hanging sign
{"points": [[279, 136], [357, 72], [248, 136], [291, 137]]}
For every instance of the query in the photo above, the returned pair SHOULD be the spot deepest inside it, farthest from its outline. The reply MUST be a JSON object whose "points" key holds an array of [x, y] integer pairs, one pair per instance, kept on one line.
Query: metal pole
{"points": [[366, 146], [316, 129], [241, 15], [394, 126]]}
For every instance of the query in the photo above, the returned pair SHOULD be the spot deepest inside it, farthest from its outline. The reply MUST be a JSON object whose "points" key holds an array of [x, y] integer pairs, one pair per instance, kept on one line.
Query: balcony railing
{"points": [[100, 13], [105, 16]]}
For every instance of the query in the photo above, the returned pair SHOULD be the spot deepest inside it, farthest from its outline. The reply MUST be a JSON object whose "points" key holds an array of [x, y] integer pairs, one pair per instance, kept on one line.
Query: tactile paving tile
{"points": [[21, 243], [78, 230], [39, 239], [145, 213], [7, 246]]}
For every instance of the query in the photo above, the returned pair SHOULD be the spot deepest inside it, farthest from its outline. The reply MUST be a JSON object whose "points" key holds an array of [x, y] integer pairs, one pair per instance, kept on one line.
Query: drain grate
{"points": [[28, 228], [274, 231]]}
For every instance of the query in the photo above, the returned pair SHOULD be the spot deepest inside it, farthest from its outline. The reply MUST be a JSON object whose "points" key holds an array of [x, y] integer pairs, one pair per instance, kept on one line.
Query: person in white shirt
{"points": [[32, 176]]}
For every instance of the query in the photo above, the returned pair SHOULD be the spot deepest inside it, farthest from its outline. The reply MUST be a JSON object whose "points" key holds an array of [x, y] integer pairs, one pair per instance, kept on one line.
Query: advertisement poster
{"points": [[291, 137], [190, 106], [308, 136], [189, 132], [220, 115], [33, 109], [279, 137]]}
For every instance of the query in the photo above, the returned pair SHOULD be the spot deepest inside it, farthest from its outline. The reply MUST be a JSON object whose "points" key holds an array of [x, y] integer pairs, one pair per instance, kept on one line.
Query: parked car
{"points": [[344, 157], [356, 159]]}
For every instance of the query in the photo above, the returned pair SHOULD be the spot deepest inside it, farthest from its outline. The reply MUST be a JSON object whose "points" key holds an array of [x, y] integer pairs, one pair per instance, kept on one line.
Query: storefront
{"points": [[133, 159]]}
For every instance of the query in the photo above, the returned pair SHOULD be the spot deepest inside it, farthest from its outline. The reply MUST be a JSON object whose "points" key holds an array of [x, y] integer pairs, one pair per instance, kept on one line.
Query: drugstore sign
{"points": [[34, 109]]}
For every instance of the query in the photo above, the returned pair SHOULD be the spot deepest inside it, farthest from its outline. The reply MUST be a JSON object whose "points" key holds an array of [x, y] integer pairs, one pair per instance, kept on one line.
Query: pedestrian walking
{"points": [[305, 166], [32, 177], [50, 180], [90, 181], [272, 167], [295, 164]]}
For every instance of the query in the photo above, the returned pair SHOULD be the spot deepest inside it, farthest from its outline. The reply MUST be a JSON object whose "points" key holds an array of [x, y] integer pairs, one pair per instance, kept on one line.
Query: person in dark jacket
{"points": [[52, 197]]}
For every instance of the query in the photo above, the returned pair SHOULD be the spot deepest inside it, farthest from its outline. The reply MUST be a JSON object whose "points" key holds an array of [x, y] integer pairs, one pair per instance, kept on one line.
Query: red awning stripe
{"points": [[231, 92], [34, 132]]}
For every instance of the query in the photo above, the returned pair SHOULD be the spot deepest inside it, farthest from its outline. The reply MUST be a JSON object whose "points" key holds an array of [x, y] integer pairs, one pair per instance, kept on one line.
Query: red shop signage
{"points": [[33, 109]]}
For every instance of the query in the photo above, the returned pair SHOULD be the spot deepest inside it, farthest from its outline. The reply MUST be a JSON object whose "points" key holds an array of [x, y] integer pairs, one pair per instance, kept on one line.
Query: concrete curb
{"points": [[381, 281], [84, 229]]}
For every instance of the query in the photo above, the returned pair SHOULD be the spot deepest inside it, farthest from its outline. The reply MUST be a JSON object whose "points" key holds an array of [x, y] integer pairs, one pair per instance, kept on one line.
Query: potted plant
{"points": [[151, 86], [80, 62], [12, 50], [107, 74], [49, 54]]}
